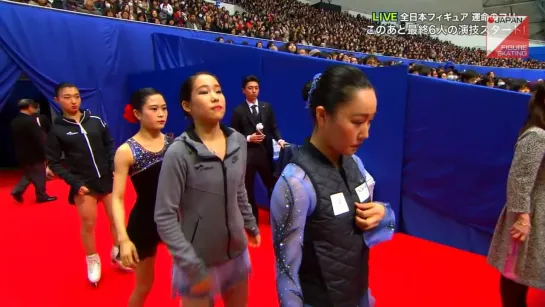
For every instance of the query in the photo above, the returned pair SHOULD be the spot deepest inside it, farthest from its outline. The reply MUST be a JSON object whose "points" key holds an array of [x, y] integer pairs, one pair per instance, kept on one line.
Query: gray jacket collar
{"points": [[194, 142]]}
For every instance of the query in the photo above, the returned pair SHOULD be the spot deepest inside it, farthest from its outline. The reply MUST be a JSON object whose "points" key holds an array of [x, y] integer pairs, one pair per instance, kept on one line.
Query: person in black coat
{"points": [[256, 121], [29, 148], [89, 150]]}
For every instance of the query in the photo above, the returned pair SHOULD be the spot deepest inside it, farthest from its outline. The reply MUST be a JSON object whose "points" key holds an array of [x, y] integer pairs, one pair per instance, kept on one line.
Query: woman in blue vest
{"points": [[322, 214]]}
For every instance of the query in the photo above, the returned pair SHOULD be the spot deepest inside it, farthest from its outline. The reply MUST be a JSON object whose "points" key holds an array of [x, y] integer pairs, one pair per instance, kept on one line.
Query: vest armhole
{"points": [[360, 167]]}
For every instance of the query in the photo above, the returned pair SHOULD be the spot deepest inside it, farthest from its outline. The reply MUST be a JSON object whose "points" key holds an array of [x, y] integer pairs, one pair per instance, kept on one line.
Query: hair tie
{"points": [[128, 114], [313, 87]]}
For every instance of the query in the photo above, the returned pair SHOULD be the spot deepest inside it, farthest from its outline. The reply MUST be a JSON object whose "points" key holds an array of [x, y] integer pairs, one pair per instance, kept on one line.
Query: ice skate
{"points": [[116, 261], [94, 270]]}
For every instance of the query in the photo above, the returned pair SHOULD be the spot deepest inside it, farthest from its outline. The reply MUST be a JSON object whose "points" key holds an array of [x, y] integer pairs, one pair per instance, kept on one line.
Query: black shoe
{"points": [[46, 199], [18, 197]]}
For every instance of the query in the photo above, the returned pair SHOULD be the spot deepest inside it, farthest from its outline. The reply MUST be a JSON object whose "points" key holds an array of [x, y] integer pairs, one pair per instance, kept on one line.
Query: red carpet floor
{"points": [[44, 265]]}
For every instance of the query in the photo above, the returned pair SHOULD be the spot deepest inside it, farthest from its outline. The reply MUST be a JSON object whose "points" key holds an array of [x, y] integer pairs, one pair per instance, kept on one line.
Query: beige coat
{"points": [[525, 194]]}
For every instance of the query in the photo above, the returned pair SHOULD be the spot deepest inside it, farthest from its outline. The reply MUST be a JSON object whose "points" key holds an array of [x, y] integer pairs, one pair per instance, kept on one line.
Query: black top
{"points": [[28, 139], [88, 148], [145, 173]]}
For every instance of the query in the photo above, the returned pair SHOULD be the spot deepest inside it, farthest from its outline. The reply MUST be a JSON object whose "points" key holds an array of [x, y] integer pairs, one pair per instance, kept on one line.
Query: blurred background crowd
{"points": [[300, 27]]}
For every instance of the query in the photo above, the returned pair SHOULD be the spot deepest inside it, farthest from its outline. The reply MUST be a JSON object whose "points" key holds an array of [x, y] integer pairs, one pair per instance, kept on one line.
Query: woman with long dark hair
{"points": [[323, 217], [140, 157], [202, 210], [518, 246]]}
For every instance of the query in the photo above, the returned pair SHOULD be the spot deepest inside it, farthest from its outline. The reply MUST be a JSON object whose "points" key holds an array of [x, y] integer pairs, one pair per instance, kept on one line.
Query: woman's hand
{"points": [[521, 227], [254, 241], [83, 191], [369, 215], [202, 287], [128, 254]]}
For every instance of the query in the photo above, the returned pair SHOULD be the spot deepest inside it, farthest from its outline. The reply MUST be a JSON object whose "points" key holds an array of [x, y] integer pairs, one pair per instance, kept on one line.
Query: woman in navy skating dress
{"points": [[140, 157]]}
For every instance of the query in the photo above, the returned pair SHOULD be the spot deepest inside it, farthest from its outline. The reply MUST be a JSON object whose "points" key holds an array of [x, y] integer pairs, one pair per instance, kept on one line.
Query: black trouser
{"points": [[33, 173], [263, 167], [512, 293]]}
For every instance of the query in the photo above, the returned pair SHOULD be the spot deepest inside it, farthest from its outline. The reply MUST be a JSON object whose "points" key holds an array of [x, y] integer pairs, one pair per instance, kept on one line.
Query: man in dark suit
{"points": [[29, 141], [255, 119]]}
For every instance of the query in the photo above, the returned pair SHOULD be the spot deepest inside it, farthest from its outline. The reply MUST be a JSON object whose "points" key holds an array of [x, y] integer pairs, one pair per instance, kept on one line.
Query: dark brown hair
{"points": [[536, 109]]}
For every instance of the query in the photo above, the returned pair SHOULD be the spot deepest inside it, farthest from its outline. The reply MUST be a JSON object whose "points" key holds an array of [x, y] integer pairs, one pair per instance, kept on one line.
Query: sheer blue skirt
{"points": [[223, 276]]}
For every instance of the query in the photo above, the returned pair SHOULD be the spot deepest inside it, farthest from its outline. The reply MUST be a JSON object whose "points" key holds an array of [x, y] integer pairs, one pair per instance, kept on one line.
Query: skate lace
{"points": [[92, 264]]}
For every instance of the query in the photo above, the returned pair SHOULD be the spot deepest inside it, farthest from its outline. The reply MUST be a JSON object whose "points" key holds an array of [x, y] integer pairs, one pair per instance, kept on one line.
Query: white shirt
{"points": [[167, 9], [256, 104]]}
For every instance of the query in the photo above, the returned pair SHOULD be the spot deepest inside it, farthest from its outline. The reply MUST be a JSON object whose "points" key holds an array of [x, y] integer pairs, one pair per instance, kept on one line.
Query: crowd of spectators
{"points": [[288, 21], [446, 72]]}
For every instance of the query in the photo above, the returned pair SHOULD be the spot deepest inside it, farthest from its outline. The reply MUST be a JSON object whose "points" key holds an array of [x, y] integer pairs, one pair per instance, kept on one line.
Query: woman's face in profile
{"points": [[348, 128]]}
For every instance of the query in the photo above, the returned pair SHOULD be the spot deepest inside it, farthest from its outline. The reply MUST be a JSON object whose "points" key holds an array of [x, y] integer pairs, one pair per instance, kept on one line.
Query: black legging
{"points": [[512, 293]]}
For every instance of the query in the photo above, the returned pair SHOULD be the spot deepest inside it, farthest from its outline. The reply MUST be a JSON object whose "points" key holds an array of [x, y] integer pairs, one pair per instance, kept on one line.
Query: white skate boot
{"points": [[116, 261], [94, 270]]}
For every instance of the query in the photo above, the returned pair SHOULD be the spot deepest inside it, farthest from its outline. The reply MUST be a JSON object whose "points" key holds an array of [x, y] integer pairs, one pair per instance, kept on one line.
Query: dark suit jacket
{"points": [[243, 121], [28, 138]]}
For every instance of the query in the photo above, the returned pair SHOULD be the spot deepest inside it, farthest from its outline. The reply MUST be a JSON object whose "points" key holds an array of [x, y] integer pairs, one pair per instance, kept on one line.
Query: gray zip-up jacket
{"points": [[202, 208]]}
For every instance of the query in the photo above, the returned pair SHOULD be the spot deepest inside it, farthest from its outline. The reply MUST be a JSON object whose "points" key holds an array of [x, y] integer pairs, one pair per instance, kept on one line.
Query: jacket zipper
{"points": [[224, 171], [195, 230], [84, 132], [225, 199], [90, 148]]}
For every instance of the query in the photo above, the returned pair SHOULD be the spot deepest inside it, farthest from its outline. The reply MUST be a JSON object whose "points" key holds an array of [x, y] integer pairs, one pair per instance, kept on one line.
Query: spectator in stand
{"points": [[293, 21], [192, 23], [43, 3], [89, 8], [470, 76], [487, 81]]}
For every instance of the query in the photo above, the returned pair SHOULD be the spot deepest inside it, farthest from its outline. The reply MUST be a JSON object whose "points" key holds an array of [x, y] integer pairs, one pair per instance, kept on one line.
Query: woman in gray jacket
{"points": [[518, 246], [202, 211]]}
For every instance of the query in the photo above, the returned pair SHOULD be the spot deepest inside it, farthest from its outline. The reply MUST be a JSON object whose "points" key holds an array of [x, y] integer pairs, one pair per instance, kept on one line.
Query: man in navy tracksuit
{"points": [[89, 151]]}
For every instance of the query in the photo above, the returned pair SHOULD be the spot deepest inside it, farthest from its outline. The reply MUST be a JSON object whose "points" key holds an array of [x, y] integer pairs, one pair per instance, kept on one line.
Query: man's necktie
{"points": [[254, 112]]}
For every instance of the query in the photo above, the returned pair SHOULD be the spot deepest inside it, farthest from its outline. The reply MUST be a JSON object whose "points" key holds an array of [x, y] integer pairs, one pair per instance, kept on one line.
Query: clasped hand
{"points": [[369, 215]]}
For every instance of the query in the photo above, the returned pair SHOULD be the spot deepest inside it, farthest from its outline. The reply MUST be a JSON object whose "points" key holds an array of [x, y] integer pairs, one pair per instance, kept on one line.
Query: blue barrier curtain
{"points": [[172, 52], [459, 142], [9, 74], [168, 51], [33, 50], [282, 76]]}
